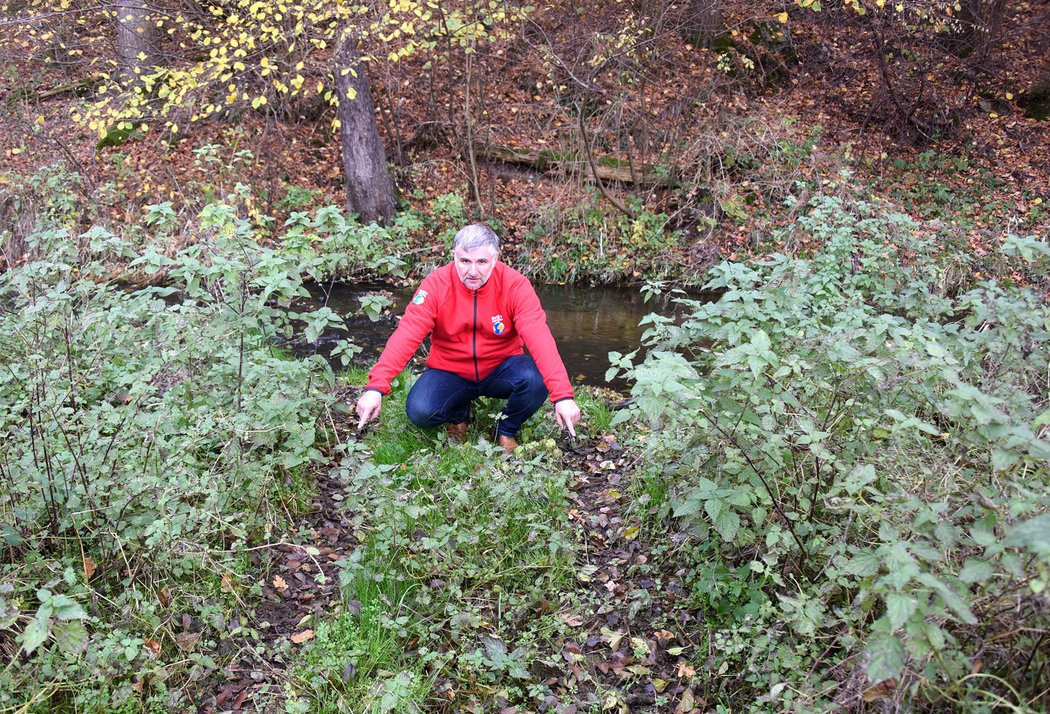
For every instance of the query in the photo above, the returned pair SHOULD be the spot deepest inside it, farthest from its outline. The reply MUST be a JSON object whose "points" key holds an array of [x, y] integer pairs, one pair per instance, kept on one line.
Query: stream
{"points": [[587, 323]]}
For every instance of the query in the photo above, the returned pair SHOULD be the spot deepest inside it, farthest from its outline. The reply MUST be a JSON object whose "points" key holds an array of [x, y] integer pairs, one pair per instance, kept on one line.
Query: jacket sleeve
{"points": [[417, 322], [531, 323]]}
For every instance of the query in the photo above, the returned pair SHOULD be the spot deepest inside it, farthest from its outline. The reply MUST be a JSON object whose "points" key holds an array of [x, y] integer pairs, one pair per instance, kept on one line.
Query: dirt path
{"points": [[631, 647], [293, 597]]}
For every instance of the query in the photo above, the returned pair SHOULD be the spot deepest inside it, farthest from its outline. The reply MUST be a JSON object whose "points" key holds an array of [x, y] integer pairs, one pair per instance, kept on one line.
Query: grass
{"points": [[354, 662]]}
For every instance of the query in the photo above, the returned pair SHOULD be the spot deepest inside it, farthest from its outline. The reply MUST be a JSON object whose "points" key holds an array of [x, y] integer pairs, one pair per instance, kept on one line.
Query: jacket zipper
{"points": [[477, 374]]}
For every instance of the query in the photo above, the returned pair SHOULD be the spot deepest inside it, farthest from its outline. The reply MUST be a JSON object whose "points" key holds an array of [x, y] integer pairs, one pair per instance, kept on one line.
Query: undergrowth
{"points": [[154, 442], [460, 548], [855, 464]]}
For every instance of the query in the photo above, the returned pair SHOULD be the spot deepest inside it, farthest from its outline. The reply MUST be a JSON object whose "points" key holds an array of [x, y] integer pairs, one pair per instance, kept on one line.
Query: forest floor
{"points": [[626, 596]]}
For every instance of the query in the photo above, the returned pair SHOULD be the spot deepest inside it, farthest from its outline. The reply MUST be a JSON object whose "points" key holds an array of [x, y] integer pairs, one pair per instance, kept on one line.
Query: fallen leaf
{"points": [[279, 583], [663, 635], [89, 567], [686, 704], [301, 637], [881, 691], [153, 646], [685, 671], [571, 619], [187, 641], [613, 638], [586, 573]]}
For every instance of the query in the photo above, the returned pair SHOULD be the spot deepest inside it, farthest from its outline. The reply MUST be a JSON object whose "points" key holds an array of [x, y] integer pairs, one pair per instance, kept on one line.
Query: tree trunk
{"points": [[369, 189], [136, 41], [703, 21], [977, 30]]}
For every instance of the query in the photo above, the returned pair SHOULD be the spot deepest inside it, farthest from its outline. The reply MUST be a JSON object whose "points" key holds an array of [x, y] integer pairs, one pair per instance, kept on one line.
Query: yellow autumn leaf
{"points": [[783, 17]]}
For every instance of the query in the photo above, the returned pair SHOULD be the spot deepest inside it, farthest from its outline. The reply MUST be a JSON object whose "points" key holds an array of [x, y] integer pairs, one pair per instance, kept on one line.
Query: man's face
{"points": [[474, 266]]}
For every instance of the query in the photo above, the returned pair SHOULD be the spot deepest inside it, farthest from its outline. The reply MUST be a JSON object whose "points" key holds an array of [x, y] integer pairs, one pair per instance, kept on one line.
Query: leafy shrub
{"points": [[329, 245], [148, 437], [45, 200], [865, 461]]}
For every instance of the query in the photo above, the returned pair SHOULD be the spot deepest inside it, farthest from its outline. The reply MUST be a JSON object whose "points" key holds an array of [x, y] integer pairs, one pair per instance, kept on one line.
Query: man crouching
{"points": [[480, 314]]}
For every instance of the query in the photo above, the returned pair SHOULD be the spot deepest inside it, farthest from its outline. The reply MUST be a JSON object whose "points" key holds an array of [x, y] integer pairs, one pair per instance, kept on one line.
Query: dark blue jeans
{"points": [[440, 397]]}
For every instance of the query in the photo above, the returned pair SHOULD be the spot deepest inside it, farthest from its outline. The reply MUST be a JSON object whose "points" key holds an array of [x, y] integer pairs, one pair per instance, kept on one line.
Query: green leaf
{"points": [[1003, 459], [900, 608], [37, 631], [885, 658], [1033, 534], [976, 571], [72, 637], [863, 565], [951, 598], [66, 608], [727, 524]]}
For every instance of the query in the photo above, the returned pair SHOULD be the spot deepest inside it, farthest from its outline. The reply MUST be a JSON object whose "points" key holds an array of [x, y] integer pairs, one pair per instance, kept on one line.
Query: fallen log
{"points": [[606, 168], [78, 88]]}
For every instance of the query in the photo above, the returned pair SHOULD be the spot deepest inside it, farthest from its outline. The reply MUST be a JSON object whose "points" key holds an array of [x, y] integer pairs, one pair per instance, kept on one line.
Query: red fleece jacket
{"points": [[473, 331]]}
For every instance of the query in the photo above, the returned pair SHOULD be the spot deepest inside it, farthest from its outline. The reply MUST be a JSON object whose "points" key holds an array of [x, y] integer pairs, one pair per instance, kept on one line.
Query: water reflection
{"points": [[587, 323]]}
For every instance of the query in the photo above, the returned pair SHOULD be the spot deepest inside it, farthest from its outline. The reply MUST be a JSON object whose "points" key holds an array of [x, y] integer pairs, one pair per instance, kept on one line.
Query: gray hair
{"points": [[475, 236]]}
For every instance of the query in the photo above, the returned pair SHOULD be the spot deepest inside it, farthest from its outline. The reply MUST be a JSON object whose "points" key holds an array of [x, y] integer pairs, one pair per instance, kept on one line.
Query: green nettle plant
{"points": [[860, 464], [148, 437]]}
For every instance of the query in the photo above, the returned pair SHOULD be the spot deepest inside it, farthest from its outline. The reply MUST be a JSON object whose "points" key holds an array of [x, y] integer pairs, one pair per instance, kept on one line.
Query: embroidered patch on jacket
{"points": [[498, 325], [420, 297]]}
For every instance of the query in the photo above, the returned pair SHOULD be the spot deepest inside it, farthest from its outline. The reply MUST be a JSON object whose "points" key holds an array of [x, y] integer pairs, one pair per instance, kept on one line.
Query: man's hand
{"points": [[567, 414], [368, 407]]}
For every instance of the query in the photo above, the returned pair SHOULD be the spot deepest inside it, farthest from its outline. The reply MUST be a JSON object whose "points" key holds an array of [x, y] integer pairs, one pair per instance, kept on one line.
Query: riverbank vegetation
{"points": [[825, 490]]}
